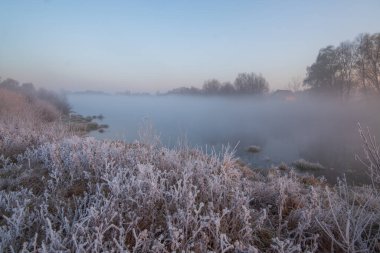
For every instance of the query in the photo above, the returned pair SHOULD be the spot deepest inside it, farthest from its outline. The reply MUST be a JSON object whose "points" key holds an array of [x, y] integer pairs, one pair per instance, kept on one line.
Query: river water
{"points": [[318, 130]]}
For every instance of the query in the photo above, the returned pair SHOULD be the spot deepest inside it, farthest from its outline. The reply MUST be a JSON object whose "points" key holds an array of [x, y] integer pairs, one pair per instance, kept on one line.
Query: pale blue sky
{"points": [[159, 45]]}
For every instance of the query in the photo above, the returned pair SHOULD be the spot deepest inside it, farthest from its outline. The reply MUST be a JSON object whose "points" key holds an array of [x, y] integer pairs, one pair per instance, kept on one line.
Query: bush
{"points": [[25, 123], [371, 159], [98, 196], [254, 149], [304, 165]]}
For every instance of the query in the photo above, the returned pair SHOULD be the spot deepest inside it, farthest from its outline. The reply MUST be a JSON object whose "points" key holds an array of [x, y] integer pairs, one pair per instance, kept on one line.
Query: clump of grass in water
{"points": [[254, 149], [88, 124], [302, 165]]}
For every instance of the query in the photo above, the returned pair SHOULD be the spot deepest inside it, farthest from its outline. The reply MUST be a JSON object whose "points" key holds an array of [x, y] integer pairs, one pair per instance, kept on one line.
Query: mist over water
{"points": [[315, 129]]}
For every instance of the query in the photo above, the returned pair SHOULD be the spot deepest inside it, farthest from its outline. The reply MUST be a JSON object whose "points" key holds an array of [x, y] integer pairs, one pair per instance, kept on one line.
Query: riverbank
{"points": [[71, 193], [27, 121]]}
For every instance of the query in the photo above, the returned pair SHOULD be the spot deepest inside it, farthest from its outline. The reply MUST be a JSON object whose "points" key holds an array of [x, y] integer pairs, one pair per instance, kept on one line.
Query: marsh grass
{"points": [[82, 124], [254, 149], [304, 165], [109, 195]]}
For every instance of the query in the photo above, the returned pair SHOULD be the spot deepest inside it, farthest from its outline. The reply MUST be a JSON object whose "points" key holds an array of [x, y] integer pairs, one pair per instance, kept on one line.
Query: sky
{"points": [[149, 46]]}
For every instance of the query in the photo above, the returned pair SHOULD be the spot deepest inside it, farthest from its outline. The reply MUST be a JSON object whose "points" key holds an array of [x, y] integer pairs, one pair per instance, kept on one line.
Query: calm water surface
{"points": [[323, 131]]}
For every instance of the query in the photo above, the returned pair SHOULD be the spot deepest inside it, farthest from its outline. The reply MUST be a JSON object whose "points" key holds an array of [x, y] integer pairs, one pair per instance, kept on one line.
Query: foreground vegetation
{"points": [[30, 117], [60, 192], [27, 122]]}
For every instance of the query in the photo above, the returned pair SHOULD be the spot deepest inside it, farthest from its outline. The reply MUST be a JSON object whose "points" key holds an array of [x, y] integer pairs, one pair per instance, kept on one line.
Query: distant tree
{"points": [[185, 91], [250, 83], [10, 83], [28, 88], [227, 89], [211, 87], [368, 63], [345, 61], [334, 70], [245, 83], [349, 66], [295, 84], [321, 74], [180, 90], [361, 64], [194, 91]]}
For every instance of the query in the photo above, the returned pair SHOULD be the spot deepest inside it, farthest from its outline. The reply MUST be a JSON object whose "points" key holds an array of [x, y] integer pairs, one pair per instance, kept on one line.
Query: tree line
{"points": [[350, 67], [353, 66], [244, 84], [28, 89]]}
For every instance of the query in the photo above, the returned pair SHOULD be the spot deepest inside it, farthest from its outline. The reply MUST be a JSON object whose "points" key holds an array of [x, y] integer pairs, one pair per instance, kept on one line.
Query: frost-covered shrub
{"points": [[136, 197], [93, 195], [25, 123], [351, 221], [371, 159], [304, 165]]}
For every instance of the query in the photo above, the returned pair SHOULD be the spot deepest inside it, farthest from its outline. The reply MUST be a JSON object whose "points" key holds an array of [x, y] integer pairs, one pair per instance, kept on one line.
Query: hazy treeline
{"points": [[245, 83], [58, 100], [353, 66]]}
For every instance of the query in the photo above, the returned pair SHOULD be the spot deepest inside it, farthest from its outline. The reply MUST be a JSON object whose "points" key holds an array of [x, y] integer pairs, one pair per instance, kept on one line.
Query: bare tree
{"points": [[370, 50], [321, 74], [211, 87], [295, 84], [345, 61], [227, 89], [10, 83], [349, 66], [361, 65], [245, 84], [251, 83]]}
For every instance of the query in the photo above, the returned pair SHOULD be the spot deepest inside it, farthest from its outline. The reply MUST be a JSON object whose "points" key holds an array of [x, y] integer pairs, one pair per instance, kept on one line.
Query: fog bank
{"points": [[322, 130]]}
